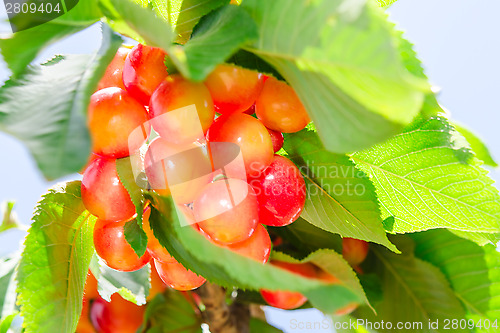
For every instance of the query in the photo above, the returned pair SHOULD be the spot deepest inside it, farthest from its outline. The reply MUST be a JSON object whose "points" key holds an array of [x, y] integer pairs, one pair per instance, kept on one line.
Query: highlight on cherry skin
{"points": [[112, 116], [227, 211], [143, 71], [103, 193], [112, 247], [354, 250], [234, 89], [281, 191]]}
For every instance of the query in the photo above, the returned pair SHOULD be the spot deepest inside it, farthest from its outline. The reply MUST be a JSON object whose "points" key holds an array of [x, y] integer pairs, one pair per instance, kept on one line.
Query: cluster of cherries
{"points": [[220, 166]]}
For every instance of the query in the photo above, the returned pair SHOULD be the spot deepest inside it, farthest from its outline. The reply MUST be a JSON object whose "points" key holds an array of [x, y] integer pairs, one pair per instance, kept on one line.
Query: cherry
{"points": [[354, 250], [277, 139], [90, 291], [257, 247], [227, 210], [288, 300], [113, 75], [178, 277], [188, 166], [111, 245], [181, 126], [112, 118], [250, 135], [279, 107], [143, 71], [281, 191], [233, 89], [103, 194], [119, 315]]}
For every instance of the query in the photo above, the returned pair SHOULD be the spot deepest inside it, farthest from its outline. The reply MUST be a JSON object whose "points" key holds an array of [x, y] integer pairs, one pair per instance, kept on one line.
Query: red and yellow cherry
{"points": [[281, 191], [277, 139], [187, 166], [233, 89], [354, 250], [112, 118], [119, 315], [279, 107], [113, 75], [250, 135], [157, 285], [90, 291], [103, 194], [111, 245], [181, 125], [288, 300], [227, 210], [143, 71], [257, 247], [178, 277]]}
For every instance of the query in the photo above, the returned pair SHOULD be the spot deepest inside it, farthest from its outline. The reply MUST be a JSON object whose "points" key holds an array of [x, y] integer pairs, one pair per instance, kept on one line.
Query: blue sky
{"points": [[458, 42]]}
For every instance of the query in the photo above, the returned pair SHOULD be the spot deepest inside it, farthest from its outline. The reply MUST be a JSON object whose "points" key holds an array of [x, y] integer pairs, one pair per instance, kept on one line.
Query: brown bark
{"points": [[220, 317]]}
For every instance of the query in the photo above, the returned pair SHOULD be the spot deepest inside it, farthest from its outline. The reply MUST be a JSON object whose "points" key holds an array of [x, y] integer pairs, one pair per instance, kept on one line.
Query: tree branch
{"points": [[220, 317]]}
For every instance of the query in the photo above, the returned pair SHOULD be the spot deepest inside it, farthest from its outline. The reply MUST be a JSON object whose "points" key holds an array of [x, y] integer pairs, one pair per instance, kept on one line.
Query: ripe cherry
{"points": [[277, 139], [279, 107], [181, 126], [113, 75], [354, 250], [103, 194], [233, 89], [281, 191], [250, 135], [178, 277], [227, 210], [143, 71], [257, 247], [84, 324], [187, 166], [112, 118], [288, 300], [119, 315], [111, 245]]}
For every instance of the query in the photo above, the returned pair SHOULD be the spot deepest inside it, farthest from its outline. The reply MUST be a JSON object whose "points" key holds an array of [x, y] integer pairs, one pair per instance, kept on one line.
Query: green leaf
{"points": [[185, 14], [260, 326], [476, 144], [132, 286], [217, 36], [8, 296], [386, 3], [227, 268], [414, 291], [10, 219], [134, 234], [481, 238], [473, 271], [7, 322], [55, 261], [341, 58], [340, 198], [23, 46], [54, 129], [171, 312], [427, 178], [130, 18]]}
